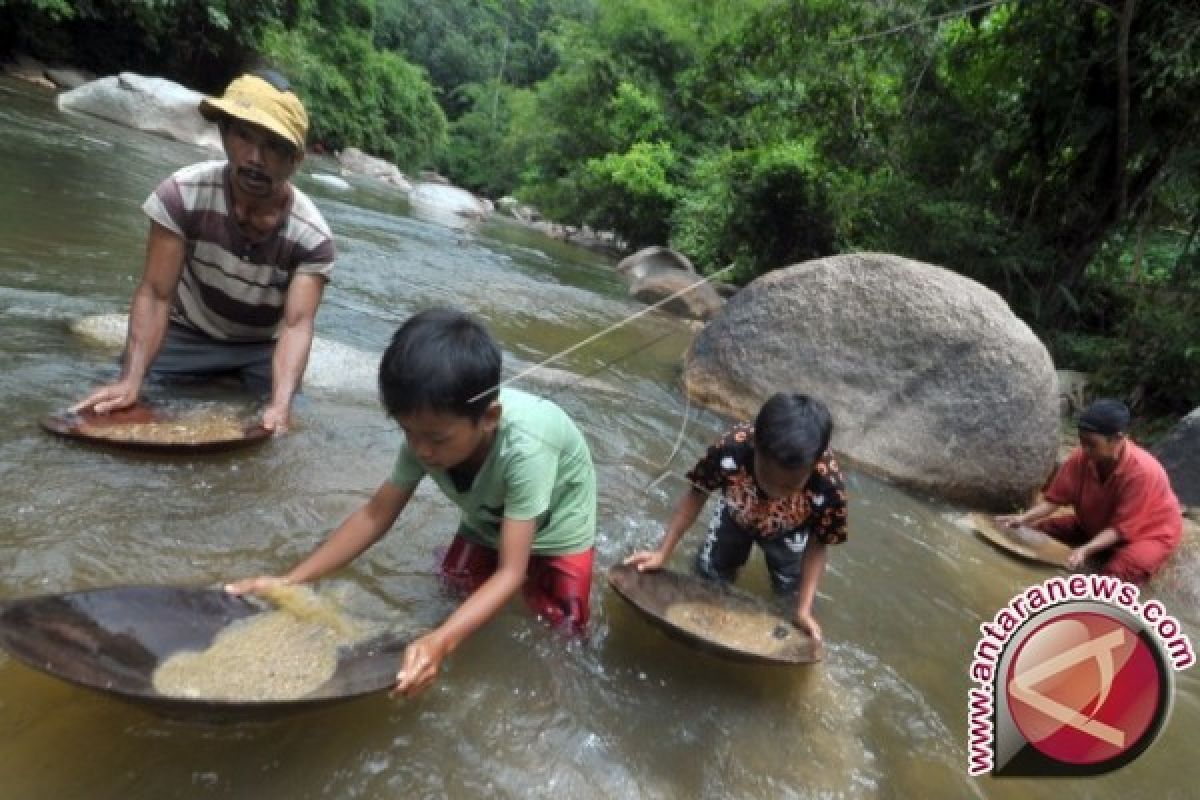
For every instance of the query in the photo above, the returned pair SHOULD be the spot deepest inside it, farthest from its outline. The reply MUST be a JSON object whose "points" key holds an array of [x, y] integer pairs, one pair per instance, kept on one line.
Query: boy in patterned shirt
{"points": [[780, 488]]}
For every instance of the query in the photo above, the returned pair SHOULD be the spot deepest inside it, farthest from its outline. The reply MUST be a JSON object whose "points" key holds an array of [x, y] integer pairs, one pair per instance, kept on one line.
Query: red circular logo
{"points": [[1083, 688]]}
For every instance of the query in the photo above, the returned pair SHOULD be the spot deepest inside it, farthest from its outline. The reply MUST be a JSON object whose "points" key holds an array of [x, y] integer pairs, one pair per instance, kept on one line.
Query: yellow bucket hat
{"points": [[256, 101]]}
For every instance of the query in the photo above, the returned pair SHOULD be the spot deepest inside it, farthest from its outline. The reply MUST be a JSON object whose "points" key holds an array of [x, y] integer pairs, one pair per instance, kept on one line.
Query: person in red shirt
{"points": [[1126, 519]]}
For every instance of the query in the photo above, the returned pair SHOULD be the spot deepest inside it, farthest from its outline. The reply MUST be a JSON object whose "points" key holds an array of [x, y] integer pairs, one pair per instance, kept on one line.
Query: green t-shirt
{"points": [[538, 468]]}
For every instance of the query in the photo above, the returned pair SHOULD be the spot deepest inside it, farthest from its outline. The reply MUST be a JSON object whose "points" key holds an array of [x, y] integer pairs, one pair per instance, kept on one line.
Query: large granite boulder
{"points": [[698, 302], [357, 162], [650, 260], [335, 182], [931, 379], [656, 273], [156, 105], [1179, 452], [448, 205]]}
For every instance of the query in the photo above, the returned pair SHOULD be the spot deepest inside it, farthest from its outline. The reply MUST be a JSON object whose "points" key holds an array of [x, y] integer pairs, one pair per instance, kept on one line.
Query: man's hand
{"points": [[276, 418], [1077, 557], [262, 583], [1009, 520], [646, 560], [806, 622], [112, 397], [420, 666]]}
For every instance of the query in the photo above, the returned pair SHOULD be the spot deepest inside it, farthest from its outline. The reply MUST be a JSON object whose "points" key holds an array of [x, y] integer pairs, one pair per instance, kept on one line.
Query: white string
{"points": [[599, 334], [962, 12], [666, 466]]}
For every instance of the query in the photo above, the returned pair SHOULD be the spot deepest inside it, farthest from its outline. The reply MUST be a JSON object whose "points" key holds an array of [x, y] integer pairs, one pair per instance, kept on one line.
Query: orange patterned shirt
{"points": [[821, 506]]}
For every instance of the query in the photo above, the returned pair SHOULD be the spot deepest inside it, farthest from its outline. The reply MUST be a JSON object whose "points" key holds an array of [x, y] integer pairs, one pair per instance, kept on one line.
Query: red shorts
{"points": [[556, 587], [1135, 562]]}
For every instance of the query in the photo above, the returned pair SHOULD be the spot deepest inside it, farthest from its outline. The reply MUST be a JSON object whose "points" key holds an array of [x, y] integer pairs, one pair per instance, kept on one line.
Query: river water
{"points": [[518, 711]]}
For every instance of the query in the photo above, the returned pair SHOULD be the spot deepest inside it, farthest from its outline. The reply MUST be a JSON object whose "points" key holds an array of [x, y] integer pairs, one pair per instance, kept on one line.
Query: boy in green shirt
{"points": [[516, 466]]}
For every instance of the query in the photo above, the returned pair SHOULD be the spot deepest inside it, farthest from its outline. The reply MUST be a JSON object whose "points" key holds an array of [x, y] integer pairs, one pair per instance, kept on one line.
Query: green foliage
{"points": [[635, 116], [758, 209], [359, 96], [1154, 358], [474, 42], [481, 152], [56, 10], [631, 192]]}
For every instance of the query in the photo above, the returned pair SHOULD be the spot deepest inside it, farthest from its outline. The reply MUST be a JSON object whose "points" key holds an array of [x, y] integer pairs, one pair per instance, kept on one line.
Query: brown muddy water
{"points": [[519, 712]]}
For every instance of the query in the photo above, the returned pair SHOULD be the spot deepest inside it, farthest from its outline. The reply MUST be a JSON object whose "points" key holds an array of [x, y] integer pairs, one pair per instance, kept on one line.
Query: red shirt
{"points": [[1136, 499]]}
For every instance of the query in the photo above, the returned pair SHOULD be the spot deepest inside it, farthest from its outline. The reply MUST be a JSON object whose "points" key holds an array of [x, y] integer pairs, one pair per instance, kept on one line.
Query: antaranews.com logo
{"points": [[1073, 677]]}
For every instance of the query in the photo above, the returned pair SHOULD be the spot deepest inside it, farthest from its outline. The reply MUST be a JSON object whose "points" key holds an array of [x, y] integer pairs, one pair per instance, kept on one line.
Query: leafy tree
{"points": [[357, 95], [757, 209]]}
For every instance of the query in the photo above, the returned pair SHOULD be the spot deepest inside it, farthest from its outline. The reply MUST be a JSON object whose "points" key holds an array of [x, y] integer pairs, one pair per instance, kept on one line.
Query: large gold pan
{"points": [[719, 618], [1035, 546], [112, 640], [106, 430]]}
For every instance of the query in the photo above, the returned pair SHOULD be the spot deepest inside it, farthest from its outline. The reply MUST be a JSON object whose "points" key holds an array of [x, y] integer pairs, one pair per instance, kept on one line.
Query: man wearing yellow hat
{"points": [[236, 261]]}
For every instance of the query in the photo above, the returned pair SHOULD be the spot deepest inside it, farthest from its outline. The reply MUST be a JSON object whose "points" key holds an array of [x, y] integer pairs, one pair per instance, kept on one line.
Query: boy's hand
{"points": [[806, 622], [646, 560], [420, 666], [1077, 557], [255, 585], [1009, 520]]}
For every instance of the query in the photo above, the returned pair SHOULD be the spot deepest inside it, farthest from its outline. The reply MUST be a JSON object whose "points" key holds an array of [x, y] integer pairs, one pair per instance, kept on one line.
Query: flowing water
{"points": [[518, 711]]}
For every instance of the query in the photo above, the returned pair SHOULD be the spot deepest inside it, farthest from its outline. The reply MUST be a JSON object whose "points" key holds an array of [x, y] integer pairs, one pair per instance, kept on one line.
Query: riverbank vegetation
{"points": [[1045, 149]]}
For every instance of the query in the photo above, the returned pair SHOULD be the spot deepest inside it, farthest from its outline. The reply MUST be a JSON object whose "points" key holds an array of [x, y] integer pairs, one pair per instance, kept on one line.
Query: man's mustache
{"points": [[253, 174]]}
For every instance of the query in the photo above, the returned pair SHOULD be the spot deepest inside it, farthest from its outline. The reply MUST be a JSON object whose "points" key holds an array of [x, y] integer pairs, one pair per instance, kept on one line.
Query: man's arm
{"points": [[1101, 541], [1039, 512], [148, 314], [292, 349], [423, 658]]}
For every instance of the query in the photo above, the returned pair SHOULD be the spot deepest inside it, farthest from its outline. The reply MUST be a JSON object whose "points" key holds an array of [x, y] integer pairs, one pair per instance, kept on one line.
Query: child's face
{"points": [[777, 480], [443, 441]]}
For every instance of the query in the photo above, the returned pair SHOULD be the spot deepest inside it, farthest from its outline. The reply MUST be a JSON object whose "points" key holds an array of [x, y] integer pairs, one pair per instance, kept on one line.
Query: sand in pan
{"points": [[276, 655], [756, 632], [198, 428]]}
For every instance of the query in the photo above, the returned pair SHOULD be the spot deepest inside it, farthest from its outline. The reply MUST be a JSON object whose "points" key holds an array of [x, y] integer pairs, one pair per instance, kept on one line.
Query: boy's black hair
{"points": [[793, 430], [440, 360]]}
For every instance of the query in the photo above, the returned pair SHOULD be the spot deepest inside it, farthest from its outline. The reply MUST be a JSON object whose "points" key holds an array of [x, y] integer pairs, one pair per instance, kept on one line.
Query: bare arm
{"points": [[148, 314], [1039, 512], [686, 510], [811, 569], [423, 658], [292, 349], [1101, 541], [361, 529]]}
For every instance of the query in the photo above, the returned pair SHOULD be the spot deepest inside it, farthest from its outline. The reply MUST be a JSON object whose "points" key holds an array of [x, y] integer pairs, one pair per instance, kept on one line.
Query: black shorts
{"points": [[727, 547], [188, 355]]}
